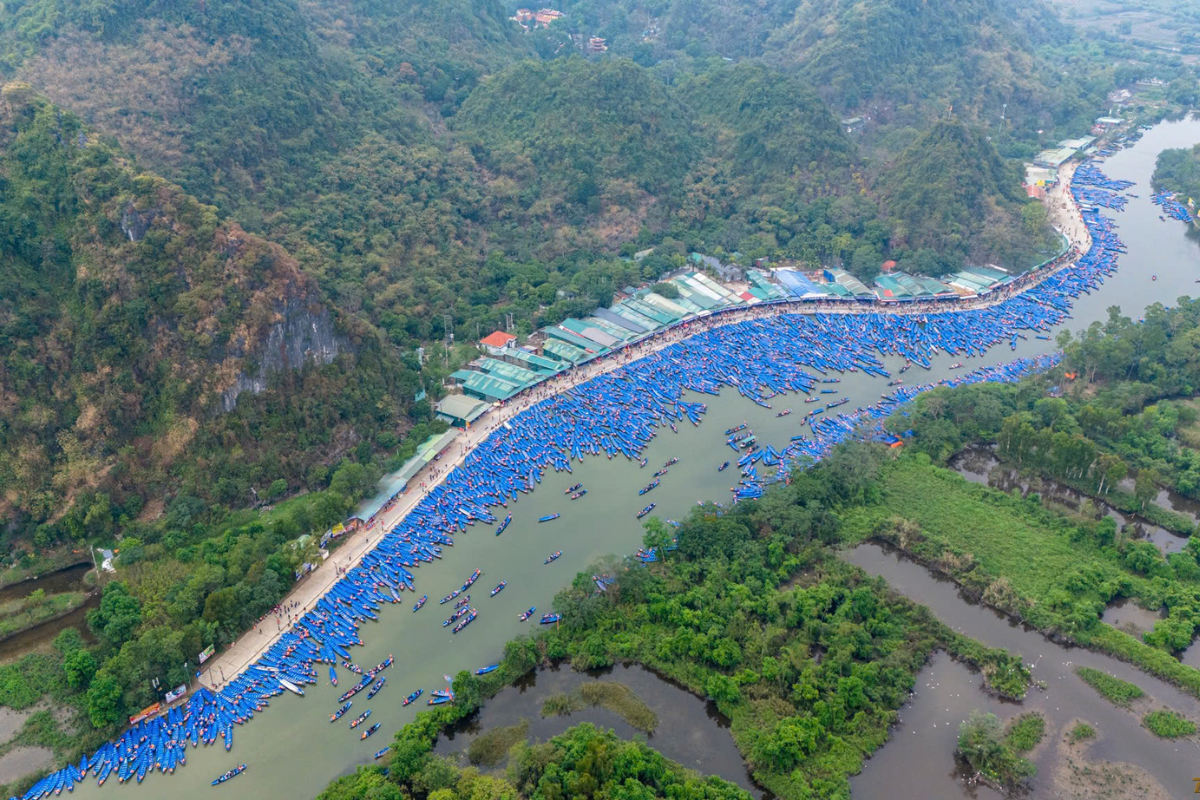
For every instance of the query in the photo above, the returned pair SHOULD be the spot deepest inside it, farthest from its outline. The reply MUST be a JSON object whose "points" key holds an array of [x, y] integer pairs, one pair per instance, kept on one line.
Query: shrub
{"points": [[1082, 731], [1168, 725], [1112, 689]]}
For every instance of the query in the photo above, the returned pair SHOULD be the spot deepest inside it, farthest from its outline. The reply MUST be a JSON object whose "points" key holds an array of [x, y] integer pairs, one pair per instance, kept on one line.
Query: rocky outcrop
{"points": [[134, 223], [304, 334]]}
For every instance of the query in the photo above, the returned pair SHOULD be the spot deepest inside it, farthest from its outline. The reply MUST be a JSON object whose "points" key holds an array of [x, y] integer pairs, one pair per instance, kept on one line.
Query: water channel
{"points": [[293, 751], [690, 731]]}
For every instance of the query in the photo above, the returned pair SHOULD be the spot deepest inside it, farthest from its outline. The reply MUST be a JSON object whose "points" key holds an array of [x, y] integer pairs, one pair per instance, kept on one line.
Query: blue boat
{"points": [[549, 517], [233, 773], [486, 670], [375, 689], [723, 467], [369, 732], [527, 614], [333, 676], [338, 714], [646, 510], [420, 603], [504, 524], [554, 556], [550, 619], [383, 752], [412, 697], [499, 588]]}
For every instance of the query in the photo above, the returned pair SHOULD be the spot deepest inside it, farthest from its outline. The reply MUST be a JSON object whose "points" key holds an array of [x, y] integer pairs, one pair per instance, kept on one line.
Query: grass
{"points": [[610, 695], [1168, 725], [490, 749], [1080, 732], [1025, 732], [1115, 690], [24, 613], [1000, 533]]}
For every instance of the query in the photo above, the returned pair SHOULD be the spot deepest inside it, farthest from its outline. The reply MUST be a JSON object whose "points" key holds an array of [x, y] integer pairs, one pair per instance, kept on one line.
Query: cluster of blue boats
{"points": [[616, 414], [1171, 206]]}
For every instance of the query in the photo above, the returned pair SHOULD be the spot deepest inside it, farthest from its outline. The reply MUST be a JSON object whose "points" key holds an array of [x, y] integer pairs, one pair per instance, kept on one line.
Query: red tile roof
{"points": [[498, 339]]}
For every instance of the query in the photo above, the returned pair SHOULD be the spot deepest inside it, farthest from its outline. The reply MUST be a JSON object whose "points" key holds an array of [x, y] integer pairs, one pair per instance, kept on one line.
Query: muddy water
{"points": [[690, 730], [69, 579], [1066, 697], [919, 759], [41, 638], [1128, 616], [979, 465], [294, 752]]}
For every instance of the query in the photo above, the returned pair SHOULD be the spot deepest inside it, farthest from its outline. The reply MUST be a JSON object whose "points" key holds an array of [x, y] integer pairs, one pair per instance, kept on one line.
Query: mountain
{"points": [[991, 62], [950, 193], [580, 129], [152, 346]]}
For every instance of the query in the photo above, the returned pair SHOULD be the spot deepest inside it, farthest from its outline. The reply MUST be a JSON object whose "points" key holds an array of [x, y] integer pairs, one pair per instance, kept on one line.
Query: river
{"points": [[293, 751]]}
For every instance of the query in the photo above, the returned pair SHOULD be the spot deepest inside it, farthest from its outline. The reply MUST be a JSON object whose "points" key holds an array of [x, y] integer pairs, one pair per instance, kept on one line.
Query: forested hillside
{"points": [[133, 317], [950, 194], [899, 61]]}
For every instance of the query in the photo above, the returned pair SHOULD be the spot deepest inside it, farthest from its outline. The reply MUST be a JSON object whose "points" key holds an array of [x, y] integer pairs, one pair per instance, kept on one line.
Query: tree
{"points": [[118, 616], [80, 666], [104, 700], [1145, 487], [657, 537]]}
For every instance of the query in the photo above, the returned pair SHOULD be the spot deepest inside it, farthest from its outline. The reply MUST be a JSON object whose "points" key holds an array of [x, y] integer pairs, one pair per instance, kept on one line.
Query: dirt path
{"points": [[229, 663]]}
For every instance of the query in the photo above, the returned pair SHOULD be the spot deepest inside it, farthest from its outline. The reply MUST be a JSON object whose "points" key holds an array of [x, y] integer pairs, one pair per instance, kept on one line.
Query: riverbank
{"points": [[19, 616]]}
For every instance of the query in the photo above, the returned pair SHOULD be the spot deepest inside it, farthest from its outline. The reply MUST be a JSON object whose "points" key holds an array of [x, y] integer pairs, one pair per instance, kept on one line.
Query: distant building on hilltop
{"points": [[596, 45], [528, 18], [853, 124]]}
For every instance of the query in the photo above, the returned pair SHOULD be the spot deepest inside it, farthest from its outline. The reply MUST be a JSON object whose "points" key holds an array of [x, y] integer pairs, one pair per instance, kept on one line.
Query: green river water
{"points": [[293, 750]]}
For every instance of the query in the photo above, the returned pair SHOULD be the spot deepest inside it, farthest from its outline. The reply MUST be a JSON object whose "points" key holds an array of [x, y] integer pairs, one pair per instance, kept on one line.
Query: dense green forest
{"points": [[885, 58], [953, 199], [1178, 171]]}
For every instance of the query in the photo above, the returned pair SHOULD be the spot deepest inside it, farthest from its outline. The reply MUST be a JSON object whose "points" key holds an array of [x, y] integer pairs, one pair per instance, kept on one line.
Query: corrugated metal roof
{"points": [[589, 332], [570, 337], [635, 316], [509, 372], [541, 364], [616, 319], [565, 351]]}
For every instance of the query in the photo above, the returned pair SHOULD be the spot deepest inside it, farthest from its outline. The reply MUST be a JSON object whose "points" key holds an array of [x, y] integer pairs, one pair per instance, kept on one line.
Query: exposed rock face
{"points": [[305, 334], [134, 223]]}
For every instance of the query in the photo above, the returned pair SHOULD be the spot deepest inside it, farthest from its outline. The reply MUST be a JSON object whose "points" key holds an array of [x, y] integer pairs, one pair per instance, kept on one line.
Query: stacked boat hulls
{"points": [[617, 414]]}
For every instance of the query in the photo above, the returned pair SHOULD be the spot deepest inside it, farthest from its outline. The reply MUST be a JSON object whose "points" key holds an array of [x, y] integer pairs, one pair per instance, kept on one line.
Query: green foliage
{"points": [[610, 119], [1025, 732], [950, 192], [491, 748], [1115, 690], [1168, 725], [1081, 732], [105, 706], [615, 697], [79, 666], [983, 747]]}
